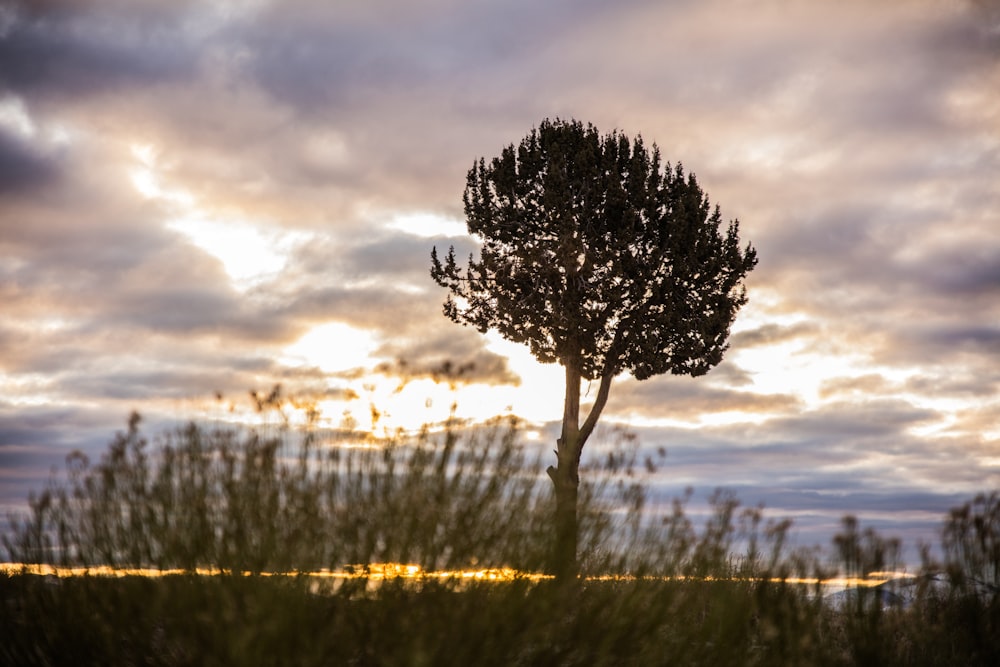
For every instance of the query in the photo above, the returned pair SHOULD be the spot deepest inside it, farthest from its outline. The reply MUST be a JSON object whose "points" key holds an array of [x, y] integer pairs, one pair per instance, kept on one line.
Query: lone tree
{"points": [[603, 259]]}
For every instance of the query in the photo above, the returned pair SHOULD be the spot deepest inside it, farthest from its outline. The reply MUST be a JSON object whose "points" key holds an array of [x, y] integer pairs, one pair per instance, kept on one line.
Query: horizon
{"points": [[201, 201]]}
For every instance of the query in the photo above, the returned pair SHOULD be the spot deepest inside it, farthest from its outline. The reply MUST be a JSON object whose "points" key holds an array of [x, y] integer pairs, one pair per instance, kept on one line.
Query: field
{"points": [[654, 589], [229, 620]]}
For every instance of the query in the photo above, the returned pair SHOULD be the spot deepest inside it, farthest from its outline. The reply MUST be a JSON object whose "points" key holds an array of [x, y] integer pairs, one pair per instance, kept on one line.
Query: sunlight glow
{"points": [[932, 428], [324, 580], [14, 116], [379, 572], [388, 404], [778, 369], [247, 252], [250, 251], [818, 369], [539, 398], [146, 181], [332, 347], [426, 225], [27, 389]]}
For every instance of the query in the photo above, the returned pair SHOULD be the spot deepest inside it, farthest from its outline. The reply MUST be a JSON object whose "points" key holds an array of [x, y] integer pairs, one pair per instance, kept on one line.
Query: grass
{"points": [[246, 503]]}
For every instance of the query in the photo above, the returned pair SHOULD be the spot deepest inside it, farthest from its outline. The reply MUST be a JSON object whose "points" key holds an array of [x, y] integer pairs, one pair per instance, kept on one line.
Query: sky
{"points": [[198, 199]]}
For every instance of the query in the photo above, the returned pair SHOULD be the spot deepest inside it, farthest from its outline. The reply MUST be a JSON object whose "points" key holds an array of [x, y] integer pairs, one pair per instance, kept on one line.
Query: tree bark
{"points": [[566, 475], [564, 563]]}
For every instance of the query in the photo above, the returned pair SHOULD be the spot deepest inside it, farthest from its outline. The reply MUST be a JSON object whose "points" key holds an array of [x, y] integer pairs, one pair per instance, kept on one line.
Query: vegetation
{"points": [[601, 258], [659, 589], [247, 501]]}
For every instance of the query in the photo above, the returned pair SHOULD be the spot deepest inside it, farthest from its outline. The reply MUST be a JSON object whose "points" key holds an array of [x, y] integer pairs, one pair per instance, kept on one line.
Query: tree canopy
{"points": [[596, 254]]}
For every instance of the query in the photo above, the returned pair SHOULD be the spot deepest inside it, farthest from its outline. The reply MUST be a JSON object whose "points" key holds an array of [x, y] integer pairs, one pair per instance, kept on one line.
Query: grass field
{"points": [[221, 510]]}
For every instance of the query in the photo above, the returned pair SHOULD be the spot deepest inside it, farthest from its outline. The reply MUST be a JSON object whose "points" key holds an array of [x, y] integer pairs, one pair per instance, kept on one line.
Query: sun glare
{"points": [[539, 396], [332, 347]]}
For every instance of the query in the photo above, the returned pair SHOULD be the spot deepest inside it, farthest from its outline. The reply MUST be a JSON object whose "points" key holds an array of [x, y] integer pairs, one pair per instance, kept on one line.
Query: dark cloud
{"points": [[136, 280], [838, 423], [729, 374], [972, 338], [79, 48], [962, 272], [343, 57], [986, 19], [771, 334], [851, 458], [36, 439], [402, 258], [391, 309], [455, 356], [981, 384], [857, 447], [23, 168], [681, 397]]}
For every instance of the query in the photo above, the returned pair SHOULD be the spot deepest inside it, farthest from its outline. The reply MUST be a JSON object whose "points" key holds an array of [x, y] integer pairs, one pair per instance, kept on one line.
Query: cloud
{"points": [[771, 334], [23, 168], [684, 398], [36, 439], [67, 48], [871, 383], [455, 357], [343, 56], [858, 458]]}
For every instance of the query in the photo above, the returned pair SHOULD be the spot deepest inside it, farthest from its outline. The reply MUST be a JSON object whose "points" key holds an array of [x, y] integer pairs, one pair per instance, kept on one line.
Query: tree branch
{"points": [[595, 412]]}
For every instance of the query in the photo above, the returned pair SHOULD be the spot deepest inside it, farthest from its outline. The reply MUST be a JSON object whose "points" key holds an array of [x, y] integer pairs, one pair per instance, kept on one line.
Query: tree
{"points": [[602, 259]]}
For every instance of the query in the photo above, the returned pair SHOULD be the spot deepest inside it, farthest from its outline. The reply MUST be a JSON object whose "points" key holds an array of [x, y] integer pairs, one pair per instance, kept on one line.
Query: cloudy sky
{"points": [[202, 197]]}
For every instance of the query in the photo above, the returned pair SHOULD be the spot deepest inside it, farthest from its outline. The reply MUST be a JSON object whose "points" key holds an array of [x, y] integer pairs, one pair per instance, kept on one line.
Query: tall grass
{"points": [[659, 589], [264, 500]]}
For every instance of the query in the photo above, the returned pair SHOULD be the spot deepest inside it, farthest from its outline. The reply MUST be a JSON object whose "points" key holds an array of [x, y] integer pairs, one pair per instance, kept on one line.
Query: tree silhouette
{"points": [[599, 257]]}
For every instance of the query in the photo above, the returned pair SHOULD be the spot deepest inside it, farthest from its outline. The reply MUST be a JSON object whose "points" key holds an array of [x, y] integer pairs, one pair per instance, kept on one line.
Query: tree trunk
{"points": [[566, 475], [564, 564], [566, 479]]}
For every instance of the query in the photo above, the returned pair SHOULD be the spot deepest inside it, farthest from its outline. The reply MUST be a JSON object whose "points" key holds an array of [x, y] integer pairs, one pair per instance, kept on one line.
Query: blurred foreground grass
{"points": [[657, 590]]}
